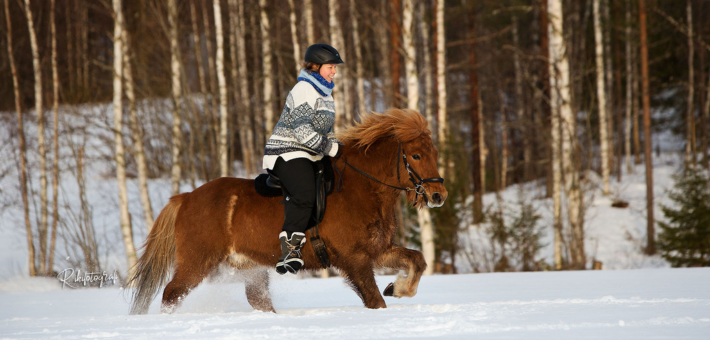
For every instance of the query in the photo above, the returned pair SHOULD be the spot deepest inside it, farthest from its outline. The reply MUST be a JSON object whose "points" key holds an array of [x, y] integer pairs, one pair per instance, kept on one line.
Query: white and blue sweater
{"points": [[305, 128]]}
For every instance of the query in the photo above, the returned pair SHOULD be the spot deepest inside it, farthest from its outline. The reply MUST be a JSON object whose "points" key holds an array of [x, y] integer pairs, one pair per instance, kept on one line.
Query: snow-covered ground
{"points": [[623, 304]]}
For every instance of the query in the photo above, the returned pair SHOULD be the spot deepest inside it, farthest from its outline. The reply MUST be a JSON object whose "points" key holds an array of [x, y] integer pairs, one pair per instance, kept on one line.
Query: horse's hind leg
{"points": [[412, 262], [361, 277], [190, 271]]}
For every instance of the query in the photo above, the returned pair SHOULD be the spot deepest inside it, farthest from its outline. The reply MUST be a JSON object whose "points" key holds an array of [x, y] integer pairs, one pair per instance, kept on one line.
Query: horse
{"points": [[226, 221]]}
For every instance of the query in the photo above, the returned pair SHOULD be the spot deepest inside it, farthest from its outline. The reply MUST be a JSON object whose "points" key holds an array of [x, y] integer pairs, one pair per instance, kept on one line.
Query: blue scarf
{"points": [[319, 83]]}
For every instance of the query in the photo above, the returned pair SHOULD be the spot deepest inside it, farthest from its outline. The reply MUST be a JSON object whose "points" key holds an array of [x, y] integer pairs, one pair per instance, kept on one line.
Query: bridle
{"points": [[414, 177]]}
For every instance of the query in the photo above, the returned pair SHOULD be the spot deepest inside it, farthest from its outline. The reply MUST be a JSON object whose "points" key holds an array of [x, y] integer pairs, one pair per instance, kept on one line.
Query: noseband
{"points": [[413, 176]]}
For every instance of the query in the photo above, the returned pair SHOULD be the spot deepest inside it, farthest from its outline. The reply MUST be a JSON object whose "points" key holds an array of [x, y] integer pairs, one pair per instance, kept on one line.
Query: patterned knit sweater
{"points": [[305, 129]]}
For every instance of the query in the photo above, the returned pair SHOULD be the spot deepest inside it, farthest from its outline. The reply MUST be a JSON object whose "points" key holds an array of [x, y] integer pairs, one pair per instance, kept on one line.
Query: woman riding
{"points": [[303, 135]]}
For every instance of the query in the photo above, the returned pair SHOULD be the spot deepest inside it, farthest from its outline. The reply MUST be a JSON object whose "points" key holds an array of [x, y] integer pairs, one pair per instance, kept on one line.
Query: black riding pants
{"points": [[298, 177]]}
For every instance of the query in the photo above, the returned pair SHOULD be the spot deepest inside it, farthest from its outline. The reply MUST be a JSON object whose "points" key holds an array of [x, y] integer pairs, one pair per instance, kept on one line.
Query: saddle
{"points": [[269, 185]]}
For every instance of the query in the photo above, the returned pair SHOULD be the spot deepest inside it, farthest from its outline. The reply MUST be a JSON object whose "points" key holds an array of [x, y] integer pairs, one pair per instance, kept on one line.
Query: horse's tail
{"points": [[152, 270]]}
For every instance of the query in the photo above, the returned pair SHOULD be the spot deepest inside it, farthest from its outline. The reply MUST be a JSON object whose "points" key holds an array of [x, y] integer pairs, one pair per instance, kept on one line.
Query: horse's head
{"points": [[404, 141]]}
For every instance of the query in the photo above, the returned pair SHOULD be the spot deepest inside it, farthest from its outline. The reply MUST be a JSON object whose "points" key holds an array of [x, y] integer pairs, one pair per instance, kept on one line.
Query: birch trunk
{"points": [[212, 75], [203, 89], [267, 71], [136, 132], [520, 107], [690, 154], [359, 69], [245, 126], [40, 139], [441, 73], [23, 148], [608, 76], [629, 89], [233, 37], [176, 172], [294, 36], [601, 97], [126, 229], [650, 224], [257, 81], [308, 13], [426, 70], [410, 57], [55, 137], [340, 92], [559, 71], [222, 83]]}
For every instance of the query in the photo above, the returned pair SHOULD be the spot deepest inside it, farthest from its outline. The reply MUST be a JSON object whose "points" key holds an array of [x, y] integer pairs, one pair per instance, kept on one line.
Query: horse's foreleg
{"points": [[361, 277], [257, 289], [412, 262]]}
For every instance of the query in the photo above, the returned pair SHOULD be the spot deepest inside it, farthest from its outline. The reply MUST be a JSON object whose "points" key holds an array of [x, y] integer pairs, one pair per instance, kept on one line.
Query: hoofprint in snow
{"points": [[624, 304]]}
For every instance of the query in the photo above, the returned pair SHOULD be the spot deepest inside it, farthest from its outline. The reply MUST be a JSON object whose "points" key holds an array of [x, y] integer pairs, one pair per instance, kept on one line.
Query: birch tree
{"points": [[23, 148], [136, 131], [646, 97], [245, 118], [39, 108], [126, 229], [359, 69], [340, 92], [222, 83], [441, 73], [267, 70], [55, 140], [560, 103], [601, 96], [308, 13], [294, 36], [176, 171]]}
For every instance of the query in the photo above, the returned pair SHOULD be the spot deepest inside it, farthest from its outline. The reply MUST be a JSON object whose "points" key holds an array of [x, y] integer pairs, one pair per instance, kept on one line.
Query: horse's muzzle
{"points": [[436, 200]]}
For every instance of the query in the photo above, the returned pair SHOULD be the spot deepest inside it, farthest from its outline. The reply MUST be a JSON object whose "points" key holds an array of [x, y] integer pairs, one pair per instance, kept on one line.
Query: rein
{"points": [[413, 176]]}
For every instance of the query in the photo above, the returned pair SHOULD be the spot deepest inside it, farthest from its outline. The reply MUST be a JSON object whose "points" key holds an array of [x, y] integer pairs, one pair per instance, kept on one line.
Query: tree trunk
{"points": [[340, 92], [40, 139], [136, 131], [176, 172], [267, 70], [560, 99], [70, 50], [410, 57], [520, 102], [601, 97], [234, 36], [690, 153], [637, 106], [629, 89], [359, 69], [126, 229], [211, 71], [245, 119], [55, 137], [426, 70], [441, 74], [650, 232], [476, 128], [294, 36], [308, 13], [609, 80], [395, 7], [203, 92], [224, 169], [23, 148]]}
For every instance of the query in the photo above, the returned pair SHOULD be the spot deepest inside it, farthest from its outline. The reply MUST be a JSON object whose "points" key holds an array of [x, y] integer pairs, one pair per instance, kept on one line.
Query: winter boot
{"points": [[290, 260]]}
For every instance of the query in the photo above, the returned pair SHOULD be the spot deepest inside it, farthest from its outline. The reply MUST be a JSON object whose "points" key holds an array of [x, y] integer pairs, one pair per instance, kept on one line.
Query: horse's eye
{"points": [[416, 157]]}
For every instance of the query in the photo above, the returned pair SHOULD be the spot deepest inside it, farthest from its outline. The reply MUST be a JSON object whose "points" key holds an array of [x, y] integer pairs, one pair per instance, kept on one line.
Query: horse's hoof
{"points": [[389, 291]]}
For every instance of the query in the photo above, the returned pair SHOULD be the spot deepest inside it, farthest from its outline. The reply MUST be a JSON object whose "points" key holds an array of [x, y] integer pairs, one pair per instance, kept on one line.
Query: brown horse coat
{"points": [[226, 220]]}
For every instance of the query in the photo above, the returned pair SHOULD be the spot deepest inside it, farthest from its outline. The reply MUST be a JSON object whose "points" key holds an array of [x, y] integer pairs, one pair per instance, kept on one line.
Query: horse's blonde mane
{"points": [[402, 124]]}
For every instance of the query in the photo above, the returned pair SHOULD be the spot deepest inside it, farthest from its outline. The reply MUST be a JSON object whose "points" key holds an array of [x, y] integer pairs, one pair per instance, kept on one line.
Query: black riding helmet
{"points": [[322, 54]]}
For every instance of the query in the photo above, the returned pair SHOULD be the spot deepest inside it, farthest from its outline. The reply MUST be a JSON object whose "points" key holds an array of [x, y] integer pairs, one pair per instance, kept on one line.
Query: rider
{"points": [[303, 135]]}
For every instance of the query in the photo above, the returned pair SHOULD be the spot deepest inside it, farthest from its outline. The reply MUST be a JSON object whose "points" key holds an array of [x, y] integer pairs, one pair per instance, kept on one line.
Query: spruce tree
{"points": [[684, 240]]}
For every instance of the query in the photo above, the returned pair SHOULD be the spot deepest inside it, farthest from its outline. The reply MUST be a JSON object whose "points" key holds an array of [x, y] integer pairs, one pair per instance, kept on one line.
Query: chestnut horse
{"points": [[225, 220]]}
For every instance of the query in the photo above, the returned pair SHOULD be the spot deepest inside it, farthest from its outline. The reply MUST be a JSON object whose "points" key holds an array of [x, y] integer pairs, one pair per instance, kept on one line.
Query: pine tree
{"points": [[684, 240]]}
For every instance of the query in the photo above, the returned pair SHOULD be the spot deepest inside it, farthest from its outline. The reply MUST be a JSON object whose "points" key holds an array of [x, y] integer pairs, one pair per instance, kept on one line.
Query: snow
{"points": [[623, 304]]}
